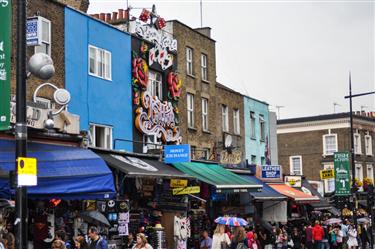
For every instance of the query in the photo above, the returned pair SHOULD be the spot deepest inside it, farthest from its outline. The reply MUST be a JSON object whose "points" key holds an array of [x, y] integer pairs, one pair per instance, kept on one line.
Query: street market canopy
{"points": [[293, 193], [267, 192], [215, 175], [139, 166], [64, 172]]}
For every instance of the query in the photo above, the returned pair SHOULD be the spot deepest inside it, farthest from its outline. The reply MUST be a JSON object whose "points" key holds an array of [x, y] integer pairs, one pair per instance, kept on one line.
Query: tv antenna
{"points": [[334, 106], [278, 107]]}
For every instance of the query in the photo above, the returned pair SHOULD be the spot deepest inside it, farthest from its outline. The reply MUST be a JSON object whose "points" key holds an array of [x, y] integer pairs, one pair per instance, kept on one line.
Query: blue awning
{"points": [[267, 192], [63, 172]]}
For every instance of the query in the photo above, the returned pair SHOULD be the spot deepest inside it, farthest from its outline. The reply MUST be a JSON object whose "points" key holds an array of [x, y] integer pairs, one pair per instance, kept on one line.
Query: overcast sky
{"points": [[296, 54]]}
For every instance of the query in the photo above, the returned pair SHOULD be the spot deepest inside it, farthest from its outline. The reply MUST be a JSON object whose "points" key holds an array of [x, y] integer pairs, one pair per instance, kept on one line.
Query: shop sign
{"points": [[178, 183], [177, 153], [294, 181], [5, 52], [186, 190], [26, 171], [327, 174], [33, 31], [271, 171], [157, 118], [155, 36], [230, 158], [342, 176]]}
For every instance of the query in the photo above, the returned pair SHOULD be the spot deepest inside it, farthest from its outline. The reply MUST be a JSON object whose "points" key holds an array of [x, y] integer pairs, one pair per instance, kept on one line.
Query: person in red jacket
{"points": [[318, 235]]}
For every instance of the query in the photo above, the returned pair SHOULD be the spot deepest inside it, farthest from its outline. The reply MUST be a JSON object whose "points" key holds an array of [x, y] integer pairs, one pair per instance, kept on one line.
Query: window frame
{"points": [[92, 127], [370, 165], [252, 125], [253, 159], [103, 61], [148, 144], [368, 145], [291, 168], [204, 71], [262, 128], [357, 146], [359, 168], [190, 109], [324, 137], [204, 114], [189, 61], [224, 118], [49, 43], [152, 82], [236, 122]]}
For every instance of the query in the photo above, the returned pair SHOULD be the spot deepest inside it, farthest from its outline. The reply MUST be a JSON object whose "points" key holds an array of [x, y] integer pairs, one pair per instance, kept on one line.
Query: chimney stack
{"points": [[121, 14], [102, 16], [108, 17], [114, 16]]}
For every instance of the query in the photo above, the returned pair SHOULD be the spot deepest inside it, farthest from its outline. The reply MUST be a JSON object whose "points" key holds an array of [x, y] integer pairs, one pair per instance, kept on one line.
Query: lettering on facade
{"points": [[157, 118]]}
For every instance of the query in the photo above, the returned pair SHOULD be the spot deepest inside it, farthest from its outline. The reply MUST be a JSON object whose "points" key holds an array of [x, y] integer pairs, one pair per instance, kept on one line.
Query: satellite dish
{"points": [[228, 141]]}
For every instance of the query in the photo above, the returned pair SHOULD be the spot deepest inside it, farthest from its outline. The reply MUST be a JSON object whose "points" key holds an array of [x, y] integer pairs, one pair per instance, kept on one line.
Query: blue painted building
{"points": [[256, 118], [98, 76]]}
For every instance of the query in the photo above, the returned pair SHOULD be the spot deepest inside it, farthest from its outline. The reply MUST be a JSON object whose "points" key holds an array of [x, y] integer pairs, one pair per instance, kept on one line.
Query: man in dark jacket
{"points": [[96, 241]]}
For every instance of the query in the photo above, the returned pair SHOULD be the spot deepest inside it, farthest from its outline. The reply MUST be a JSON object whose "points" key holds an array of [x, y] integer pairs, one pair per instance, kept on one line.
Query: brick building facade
{"points": [[306, 145]]}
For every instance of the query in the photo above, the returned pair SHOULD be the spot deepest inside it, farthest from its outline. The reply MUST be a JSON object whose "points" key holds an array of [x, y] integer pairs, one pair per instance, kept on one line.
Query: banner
{"points": [[342, 173], [5, 52]]}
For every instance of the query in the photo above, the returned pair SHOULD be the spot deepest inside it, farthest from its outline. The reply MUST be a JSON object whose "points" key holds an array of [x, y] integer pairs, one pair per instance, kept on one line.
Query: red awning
{"points": [[293, 193]]}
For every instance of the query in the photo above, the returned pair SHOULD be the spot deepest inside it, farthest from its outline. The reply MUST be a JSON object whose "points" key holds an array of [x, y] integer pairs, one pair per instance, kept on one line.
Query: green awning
{"points": [[219, 177]]}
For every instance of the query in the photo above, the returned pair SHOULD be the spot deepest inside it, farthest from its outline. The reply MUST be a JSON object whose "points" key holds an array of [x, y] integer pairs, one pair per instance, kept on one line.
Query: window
{"points": [[204, 67], [359, 173], [357, 143], [190, 110], [224, 118], [101, 136], [329, 184], [252, 125], [193, 150], [253, 159], [205, 114], [236, 122], [262, 126], [263, 160], [155, 84], [368, 145], [189, 61], [151, 142], [100, 63], [295, 165], [329, 144], [45, 46], [370, 172], [205, 154]]}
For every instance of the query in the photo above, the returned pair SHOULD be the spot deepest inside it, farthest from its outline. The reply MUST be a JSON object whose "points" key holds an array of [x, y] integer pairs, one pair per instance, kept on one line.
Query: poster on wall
{"points": [[5, 51], [342, 173]]}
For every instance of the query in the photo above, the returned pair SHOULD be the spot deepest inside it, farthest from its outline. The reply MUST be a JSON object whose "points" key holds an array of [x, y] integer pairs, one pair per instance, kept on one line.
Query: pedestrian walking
{"points": [[220, 239], [296, 238], [141, 242], [80, 243], [339, 237], [58, 244], [352, 237], [325, 241], [318, 235], [206, 242], [309, 237], [239, 240], [365, 236], [96, 241], [280, 238], [130, 241]]}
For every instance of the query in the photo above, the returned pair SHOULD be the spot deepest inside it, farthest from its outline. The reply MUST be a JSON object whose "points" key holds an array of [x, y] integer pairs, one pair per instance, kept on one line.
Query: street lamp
{"points": [[350, 96]]}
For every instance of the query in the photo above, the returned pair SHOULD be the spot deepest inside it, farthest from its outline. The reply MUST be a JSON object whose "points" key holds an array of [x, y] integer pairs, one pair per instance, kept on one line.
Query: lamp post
{"points": [[21, 128], [350, 96]]}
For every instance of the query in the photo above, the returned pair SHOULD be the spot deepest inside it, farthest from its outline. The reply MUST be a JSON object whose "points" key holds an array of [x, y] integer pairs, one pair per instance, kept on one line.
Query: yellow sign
{"points": [[26, 171], [327, 174], [187, 190], [178, 183]]}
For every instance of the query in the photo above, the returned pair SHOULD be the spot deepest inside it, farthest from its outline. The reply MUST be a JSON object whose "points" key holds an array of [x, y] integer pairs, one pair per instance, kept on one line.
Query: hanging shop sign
{"points": [[177, 153], [342, 173], [178, 183], [270, 171], [26, 171], [294, 181], [157, 118], [5, 52], [327, 174], [230, 158], [186, 190]]}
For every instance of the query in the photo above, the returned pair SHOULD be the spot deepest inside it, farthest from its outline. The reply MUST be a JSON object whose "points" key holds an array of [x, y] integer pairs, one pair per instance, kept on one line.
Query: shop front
{"points": [[67, 177], [157, 194]]}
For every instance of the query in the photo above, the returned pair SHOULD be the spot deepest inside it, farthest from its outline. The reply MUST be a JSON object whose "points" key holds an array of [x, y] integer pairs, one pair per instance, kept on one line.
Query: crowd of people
{"points": [[308, 236]]}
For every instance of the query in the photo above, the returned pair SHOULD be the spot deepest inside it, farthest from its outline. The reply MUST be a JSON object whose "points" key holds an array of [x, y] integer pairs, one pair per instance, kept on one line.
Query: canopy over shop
{"points": [[64, 172]]}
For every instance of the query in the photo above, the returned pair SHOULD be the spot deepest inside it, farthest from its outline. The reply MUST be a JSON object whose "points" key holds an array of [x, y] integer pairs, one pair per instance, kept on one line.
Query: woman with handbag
{"points": [[220, 240]]}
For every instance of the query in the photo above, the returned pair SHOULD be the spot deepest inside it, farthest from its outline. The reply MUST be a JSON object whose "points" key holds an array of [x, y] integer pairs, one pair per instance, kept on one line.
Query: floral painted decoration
{"points": [[174, 85], [140, 72]]}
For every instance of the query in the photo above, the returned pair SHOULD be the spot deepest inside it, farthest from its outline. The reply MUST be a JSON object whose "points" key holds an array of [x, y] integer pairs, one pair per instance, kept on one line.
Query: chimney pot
{"points": [[108, 18], [121, 14], [114, 16], [126, 14], [102, 16]]}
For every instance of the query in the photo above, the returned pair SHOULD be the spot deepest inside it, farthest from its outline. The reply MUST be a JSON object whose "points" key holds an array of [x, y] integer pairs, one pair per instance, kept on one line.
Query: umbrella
{"points": [[231, 221], [363, 220], [332, 221], [95, 217]]}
